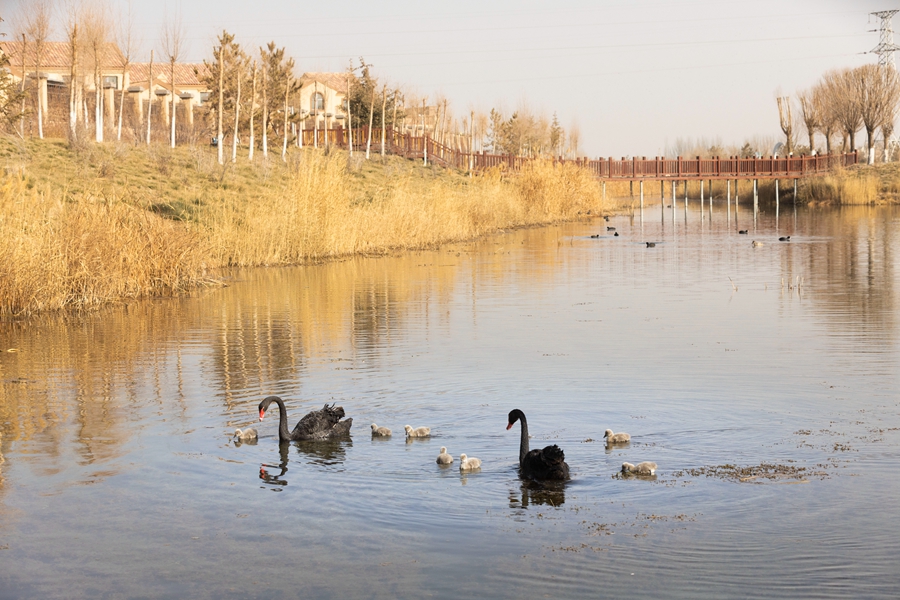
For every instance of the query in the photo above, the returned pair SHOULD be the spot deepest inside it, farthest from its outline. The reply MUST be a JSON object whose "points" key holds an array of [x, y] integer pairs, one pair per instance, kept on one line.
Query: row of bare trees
{"points": [[846, 101]]}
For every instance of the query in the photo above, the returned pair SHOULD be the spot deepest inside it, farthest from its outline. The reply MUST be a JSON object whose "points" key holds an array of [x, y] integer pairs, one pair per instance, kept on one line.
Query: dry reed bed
{"points": [[99, 247]]}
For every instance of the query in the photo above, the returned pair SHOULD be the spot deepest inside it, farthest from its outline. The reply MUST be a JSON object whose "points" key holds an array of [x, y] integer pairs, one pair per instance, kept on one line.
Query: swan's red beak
{"points": [[262, 413], [508, 427]]}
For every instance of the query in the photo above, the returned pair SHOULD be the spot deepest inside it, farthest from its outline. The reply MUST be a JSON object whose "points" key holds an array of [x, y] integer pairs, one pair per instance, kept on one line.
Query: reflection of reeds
{"points": [[80, 234]]}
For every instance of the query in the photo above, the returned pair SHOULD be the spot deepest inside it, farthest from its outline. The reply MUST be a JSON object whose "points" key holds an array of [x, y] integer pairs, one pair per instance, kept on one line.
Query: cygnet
{"points": [[417, 432], [380, 431], [468, 464], [444, 458], [246, 434], [644, 468], [616, 438]]}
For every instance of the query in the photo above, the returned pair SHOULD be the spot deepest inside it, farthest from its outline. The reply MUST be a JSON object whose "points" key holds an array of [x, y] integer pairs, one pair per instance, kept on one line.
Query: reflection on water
{"points": [[695, 347]]}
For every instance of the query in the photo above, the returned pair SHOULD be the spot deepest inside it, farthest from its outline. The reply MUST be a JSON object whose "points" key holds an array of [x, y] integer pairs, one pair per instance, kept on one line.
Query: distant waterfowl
{"points": [[616, 438], [444, 458], [324, 424], [756, 244], [596, 235], [616, 234], [610, 228], [245, 435], [547, 463], [743, 231], [468, 464], [380, 431], [606, 218], [786, 238], [651, 244], [644, 468], [417, 432]]}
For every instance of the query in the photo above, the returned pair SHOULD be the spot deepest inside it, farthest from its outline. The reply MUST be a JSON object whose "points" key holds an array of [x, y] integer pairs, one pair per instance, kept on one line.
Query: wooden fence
{"points": [[633, 169]]}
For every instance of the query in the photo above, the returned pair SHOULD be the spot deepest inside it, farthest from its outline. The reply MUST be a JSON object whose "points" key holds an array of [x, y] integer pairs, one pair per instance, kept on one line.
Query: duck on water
{"points": [[548, 463], [324, 424]]}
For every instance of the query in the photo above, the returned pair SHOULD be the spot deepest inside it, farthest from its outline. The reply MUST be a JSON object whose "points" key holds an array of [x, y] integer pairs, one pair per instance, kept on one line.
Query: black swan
{"points": [[324, 424], [548, 463]]}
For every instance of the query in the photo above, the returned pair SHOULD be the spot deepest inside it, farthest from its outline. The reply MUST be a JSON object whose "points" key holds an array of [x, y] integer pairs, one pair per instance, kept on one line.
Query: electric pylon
{"points": [[886, 46]]}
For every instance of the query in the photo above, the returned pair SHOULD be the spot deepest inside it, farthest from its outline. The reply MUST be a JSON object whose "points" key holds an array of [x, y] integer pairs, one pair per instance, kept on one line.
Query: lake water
{"points": [[119, 479]]}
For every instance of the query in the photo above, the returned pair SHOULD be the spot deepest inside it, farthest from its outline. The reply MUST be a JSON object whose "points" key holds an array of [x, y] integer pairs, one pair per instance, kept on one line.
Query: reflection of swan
{"points": [[547, 463], [444, 458], [616, 438], [644, 468], [325, 452], [549, 493], [469, 464], [380, 431], [317, 425], [245, 435], [418, 432], [276, 479]]}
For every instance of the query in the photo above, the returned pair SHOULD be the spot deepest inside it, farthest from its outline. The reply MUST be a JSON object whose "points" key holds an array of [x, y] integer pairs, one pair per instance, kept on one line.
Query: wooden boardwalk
{"points": [[607, 169]]}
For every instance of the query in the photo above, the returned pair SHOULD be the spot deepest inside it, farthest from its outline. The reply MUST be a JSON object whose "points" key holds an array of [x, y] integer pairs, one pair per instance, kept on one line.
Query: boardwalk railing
{"points": [[634, 169]]}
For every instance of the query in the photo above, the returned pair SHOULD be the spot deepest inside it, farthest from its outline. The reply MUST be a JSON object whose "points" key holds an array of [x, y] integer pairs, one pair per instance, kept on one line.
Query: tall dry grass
{"points": [[321, 215], [844, 186], [84, 253], [108, 241]]}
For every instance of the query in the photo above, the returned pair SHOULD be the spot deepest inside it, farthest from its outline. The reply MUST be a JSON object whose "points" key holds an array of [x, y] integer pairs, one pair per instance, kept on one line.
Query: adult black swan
{"points": [[324, 424], [546, 464]]}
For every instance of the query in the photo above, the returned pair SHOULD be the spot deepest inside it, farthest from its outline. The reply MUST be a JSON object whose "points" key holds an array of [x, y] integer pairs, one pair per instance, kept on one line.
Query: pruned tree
{"points": [[10, 96], [173, 46], [841, 95], [252, 113], [824, 108], [96, 36], [786, 120], [73, 41], [127, 42], [877, 90], [219, 79], [38, 28], [809, 109]]}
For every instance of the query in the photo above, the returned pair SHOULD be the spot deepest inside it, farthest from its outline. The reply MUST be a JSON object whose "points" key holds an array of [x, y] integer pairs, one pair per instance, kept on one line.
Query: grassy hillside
{"points": [[100, 223]]}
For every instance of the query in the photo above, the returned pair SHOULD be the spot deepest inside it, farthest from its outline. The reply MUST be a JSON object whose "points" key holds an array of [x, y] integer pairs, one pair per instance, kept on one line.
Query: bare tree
{"points": [[173, 46], [825, 111], [786, 121], [239, 75], [289, 87], [128, 45], [252, 113], [149, 97], [878, 89], [844, 102], [37, 27], [96, 35], [371, 116], [811, 117], [383, 111]]}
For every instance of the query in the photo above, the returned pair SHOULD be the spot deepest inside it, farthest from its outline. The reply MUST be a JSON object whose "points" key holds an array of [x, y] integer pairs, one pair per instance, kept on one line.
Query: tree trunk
{"points": [[172, 85], [220, 109], [40, 95], [150, 98], [73, 105], [98, 96], [383, 120], [22, 117], [371, 116], [349, 119], [252, 113], [287, 91], [121, 104], [237, 116], [265, 115]]}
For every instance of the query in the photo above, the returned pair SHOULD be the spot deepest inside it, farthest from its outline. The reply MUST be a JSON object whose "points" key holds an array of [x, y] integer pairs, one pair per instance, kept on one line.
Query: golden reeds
{"points": [[97, 234]]}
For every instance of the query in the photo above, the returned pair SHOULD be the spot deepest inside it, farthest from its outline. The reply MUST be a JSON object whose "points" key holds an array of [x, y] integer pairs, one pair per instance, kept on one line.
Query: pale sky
{"points": [[634, 75]]}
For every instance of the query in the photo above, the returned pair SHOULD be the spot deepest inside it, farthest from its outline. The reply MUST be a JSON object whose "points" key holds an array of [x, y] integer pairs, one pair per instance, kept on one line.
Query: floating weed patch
{"points": [[762, 473]]}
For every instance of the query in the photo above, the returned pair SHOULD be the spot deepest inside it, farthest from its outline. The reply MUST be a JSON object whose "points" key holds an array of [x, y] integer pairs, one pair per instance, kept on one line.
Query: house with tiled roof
{"points": [[323, 98]]}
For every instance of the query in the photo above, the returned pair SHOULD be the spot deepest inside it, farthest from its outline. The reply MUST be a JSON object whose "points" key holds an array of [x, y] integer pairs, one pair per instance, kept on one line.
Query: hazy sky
{"points": [[633, 74]]}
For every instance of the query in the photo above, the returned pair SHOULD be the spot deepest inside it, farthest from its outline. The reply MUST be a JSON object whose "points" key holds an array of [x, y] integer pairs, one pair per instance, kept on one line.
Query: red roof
{"points": [[57, 56], [185, 76]]}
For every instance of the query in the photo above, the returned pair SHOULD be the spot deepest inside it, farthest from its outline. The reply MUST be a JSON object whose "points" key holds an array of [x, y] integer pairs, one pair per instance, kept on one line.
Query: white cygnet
{"points": [[444, 458], [644, 468], [417, 432], [380, 431], [616, 438], [468, 464], [246, 434]]}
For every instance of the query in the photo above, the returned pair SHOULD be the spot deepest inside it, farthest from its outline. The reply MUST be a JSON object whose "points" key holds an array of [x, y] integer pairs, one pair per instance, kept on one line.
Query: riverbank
{"points": [[104, 223]]}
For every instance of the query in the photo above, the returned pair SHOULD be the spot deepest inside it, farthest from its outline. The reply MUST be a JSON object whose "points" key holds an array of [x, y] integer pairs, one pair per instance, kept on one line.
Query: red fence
{"points": [[426, 148]]}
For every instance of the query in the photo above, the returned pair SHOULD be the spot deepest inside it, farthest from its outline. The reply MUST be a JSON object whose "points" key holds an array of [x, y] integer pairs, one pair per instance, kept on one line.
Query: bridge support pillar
{"points": [[795, 192], [603, 185], [685, 196], [642, 196], [755, 199], [728, 197]]}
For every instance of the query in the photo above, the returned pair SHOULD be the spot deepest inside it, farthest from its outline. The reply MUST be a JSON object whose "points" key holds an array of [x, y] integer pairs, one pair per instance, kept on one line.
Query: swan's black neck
{"points": [[283, 434], [523, 443]]}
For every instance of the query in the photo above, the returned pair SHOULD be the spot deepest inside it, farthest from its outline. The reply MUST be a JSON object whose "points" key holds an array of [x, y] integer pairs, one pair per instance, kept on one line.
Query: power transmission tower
{"points": [[886, 46]]}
